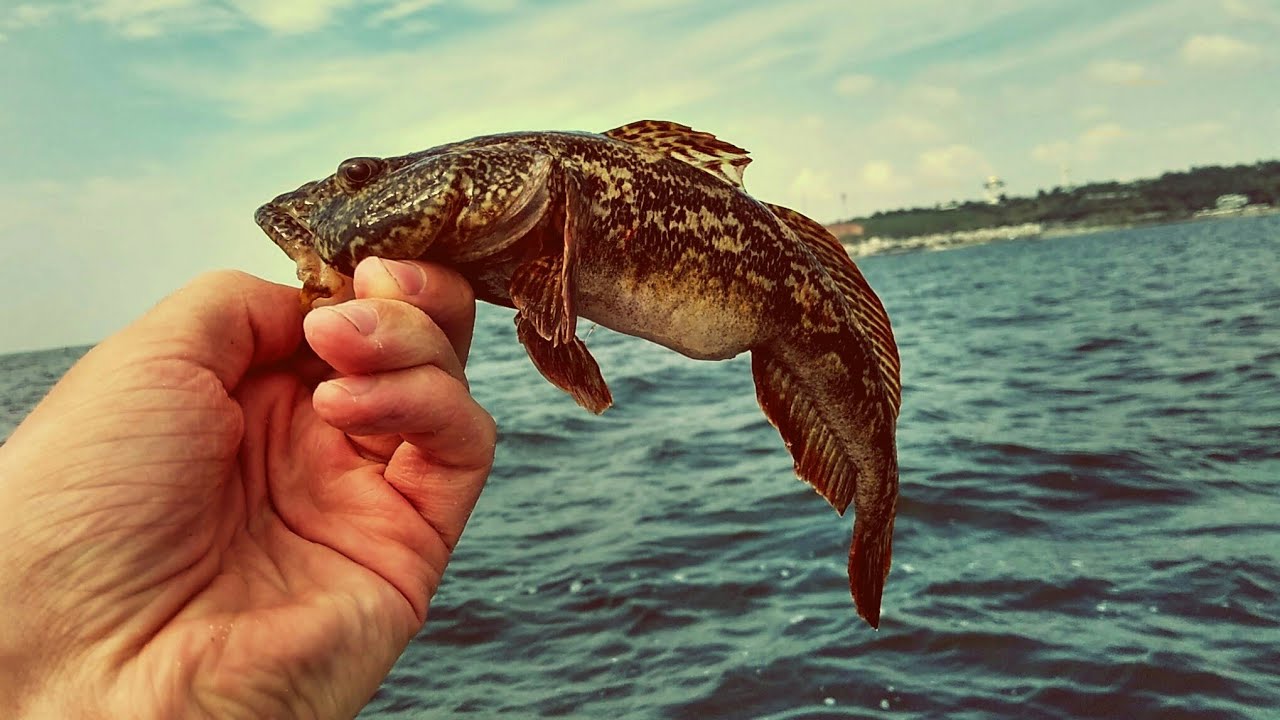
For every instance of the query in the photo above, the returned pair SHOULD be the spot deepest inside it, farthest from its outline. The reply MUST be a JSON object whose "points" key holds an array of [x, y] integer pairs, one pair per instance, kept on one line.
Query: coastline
{"points": [[877, 245]]}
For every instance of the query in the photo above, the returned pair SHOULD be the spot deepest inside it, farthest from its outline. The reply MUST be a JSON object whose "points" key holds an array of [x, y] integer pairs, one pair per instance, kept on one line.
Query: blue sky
{"points": [[138, 136]]}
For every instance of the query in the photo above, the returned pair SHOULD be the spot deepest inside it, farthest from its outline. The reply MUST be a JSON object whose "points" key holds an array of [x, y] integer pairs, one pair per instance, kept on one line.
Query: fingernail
{"points": [[408, 276], [354, 384], [362, 317]]}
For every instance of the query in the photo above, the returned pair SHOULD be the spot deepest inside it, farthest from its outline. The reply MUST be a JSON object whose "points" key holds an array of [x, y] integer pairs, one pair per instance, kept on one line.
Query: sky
{"points": [[138, 136]]}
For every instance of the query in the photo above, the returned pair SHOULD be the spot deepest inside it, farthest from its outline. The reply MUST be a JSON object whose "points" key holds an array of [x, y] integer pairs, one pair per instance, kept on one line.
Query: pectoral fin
{"points": [[568, 366], [538, 291], [541, 291]]}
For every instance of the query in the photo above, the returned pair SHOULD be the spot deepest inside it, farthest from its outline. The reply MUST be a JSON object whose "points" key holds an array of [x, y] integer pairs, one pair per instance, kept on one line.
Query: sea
{"points": [[1089, 524]]}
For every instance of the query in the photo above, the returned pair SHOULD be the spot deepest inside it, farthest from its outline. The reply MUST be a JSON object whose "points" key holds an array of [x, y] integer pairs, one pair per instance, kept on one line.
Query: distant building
{"points": [[1110, 195], [1231, 202], [846, 229], [993, 186]]}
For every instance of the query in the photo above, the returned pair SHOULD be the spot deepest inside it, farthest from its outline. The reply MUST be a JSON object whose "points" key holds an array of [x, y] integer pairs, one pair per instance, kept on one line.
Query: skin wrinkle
{"points": [[279, 433], [282, 608], [195, 569]]}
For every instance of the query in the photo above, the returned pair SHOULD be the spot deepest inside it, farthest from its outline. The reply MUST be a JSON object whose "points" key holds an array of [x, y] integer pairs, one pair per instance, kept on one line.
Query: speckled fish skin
{"points": [[644, 230]]}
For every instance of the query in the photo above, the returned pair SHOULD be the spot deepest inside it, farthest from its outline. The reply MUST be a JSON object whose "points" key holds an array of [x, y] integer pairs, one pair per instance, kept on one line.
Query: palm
{"points": [[242, 556], [282, 581]]}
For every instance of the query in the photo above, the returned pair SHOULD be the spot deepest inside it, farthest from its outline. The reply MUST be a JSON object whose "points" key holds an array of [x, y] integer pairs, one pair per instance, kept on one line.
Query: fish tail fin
{"points": [[824, 394], [870, 555]]}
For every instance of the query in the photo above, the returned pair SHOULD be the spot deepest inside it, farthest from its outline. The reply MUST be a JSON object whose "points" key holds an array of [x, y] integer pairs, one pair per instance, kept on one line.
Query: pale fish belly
{"points": [[698, 320]]}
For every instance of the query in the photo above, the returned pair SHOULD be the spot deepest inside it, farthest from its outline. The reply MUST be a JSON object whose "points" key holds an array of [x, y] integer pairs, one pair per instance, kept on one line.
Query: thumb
{"points": [[226, 321]]}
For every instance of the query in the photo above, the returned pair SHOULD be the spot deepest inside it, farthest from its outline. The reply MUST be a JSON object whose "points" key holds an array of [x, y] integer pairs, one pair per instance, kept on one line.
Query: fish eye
{"points": [[357, 172]]}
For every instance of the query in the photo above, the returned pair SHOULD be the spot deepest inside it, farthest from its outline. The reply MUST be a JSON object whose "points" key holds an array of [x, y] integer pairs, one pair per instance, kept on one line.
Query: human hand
{"points": [[200, 520]]}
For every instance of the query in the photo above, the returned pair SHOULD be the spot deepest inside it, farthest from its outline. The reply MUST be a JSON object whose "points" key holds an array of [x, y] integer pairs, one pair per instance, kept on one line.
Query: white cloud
{"points": [[1089, 113], [811, 185], [291, 16], [1118, 72], [937, 96], [879, 175], [851, 85], [910, 127], [398, 10], [1100, 136], [953, 162], [559, 73], [27, 15], [1055, 153], [1219, 51], [492, 7], [1088, 147], [1253, 11], [151, 18], [1197, 132]]}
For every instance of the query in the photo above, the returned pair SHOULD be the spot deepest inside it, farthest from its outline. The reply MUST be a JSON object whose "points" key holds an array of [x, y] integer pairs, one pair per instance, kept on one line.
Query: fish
{"points": [[646, 229]]}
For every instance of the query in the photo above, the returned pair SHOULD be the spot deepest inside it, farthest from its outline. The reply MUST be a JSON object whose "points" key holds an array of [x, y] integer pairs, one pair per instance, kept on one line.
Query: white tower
{"points": [[993, 186]]}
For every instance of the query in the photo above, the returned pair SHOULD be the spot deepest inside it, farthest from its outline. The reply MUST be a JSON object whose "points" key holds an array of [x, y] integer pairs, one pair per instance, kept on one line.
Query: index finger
{"points": [[436, 290]]}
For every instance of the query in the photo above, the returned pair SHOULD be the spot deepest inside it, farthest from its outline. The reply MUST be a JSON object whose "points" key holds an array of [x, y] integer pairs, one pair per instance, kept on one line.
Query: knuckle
{"points": [[220, 280]]}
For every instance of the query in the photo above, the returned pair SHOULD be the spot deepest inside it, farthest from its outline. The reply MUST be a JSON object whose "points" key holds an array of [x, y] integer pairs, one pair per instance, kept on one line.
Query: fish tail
{"points": [[870, 555], [820, 387]]}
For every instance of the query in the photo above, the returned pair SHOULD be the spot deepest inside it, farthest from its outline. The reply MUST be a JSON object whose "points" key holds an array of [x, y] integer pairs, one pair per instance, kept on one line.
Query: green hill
{"points": [[1171, 197]]}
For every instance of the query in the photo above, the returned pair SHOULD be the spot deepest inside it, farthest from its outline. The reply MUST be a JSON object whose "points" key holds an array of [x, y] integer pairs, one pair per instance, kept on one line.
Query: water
{"points": [[1090, 522]]}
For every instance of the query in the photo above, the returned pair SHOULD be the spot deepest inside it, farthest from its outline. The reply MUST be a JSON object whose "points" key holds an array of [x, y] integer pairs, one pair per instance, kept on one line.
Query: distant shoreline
{"points": [[866, 247]]}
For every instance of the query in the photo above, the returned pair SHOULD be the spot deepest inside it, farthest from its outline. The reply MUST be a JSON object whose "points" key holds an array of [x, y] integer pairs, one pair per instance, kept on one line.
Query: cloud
{"points": [[1254, 11], [491, 7], [559, 73], [1054, 153], [953, 162], [1197, 132], [937, 96], [27, 15], [851, 85], [1117, 72], [152, 18], [288, 17], [398, 10], [1090, 113], [1100, 136], [1218, 51], [910, 127], [811, 185], [880, 176], [1089, 146]]}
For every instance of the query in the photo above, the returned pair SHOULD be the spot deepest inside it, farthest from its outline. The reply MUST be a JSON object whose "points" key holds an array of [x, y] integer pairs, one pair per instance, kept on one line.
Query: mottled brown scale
{"points": [[645, 229]]}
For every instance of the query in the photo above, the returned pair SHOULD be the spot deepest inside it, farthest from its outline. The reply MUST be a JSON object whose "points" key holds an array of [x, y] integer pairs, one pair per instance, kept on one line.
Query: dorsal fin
{"points": [[699, 149], [862, 300]]}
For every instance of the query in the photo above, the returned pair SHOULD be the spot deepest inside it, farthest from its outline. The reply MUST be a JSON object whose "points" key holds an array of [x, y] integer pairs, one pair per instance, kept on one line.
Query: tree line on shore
{"points": [[1171, 197]]}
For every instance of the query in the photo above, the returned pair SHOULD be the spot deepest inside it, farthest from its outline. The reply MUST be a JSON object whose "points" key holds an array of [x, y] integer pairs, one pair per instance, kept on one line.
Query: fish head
{"points": [[453, 205], [390, 208]]}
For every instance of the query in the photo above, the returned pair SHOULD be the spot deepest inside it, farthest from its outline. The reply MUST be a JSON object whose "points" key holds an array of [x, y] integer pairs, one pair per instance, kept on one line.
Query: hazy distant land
{"points": [[1200, 193]]}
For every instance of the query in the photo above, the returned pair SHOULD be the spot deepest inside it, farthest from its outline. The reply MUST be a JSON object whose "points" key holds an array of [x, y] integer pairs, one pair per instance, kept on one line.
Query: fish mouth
{"points": [[282, 227], [320, 279], [281, 222]]}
